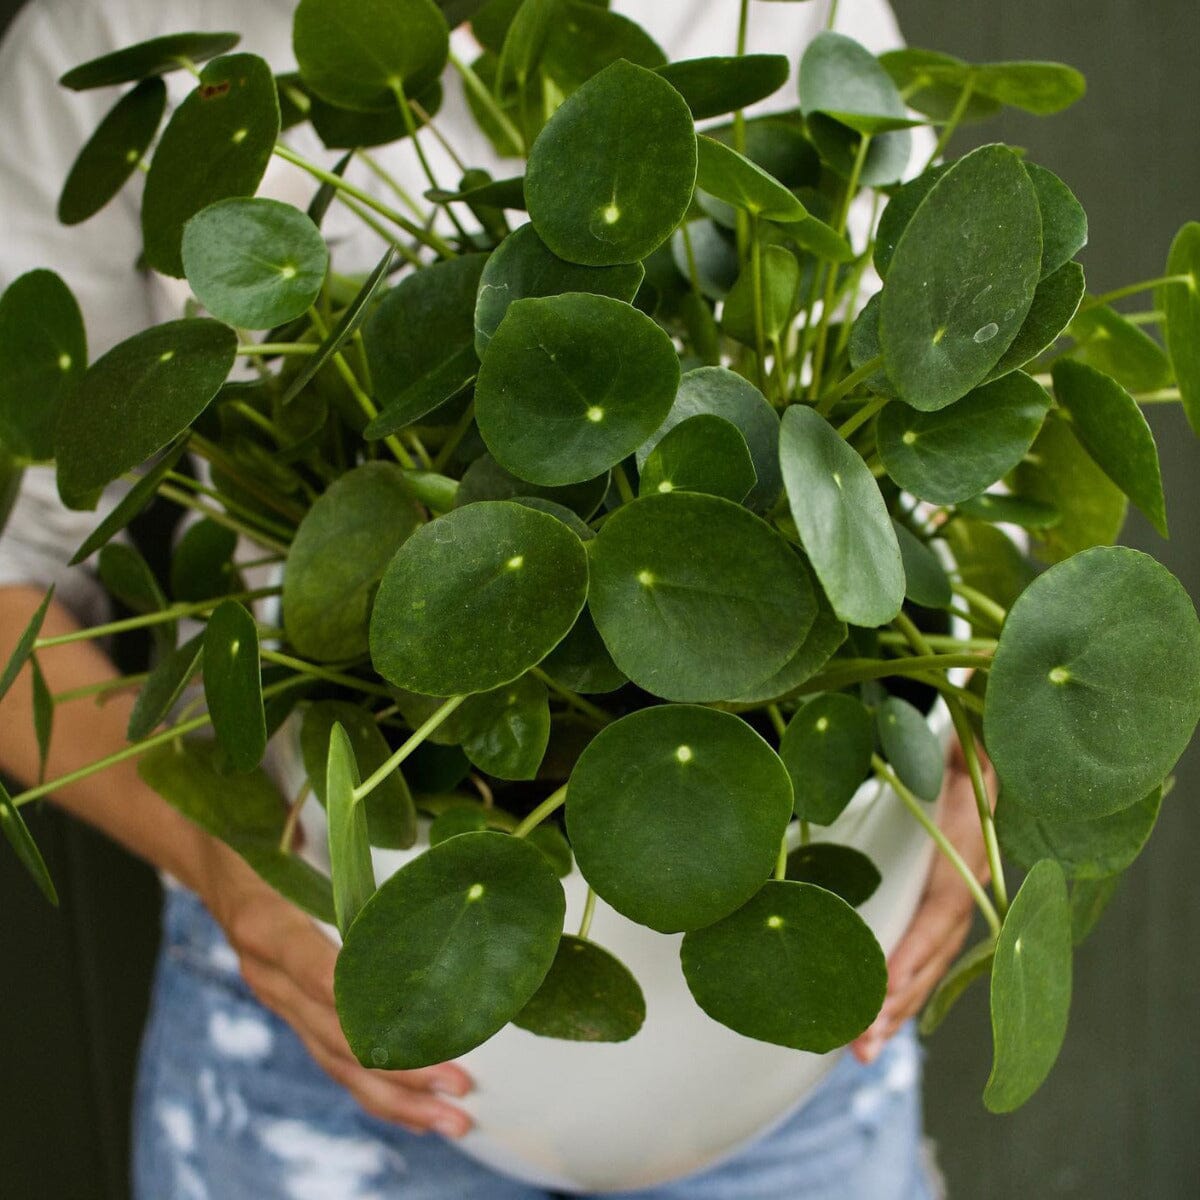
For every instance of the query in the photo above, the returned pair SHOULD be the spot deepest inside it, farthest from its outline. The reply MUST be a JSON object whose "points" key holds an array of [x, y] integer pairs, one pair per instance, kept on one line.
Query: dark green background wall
{"points": [[1119, 1117]]}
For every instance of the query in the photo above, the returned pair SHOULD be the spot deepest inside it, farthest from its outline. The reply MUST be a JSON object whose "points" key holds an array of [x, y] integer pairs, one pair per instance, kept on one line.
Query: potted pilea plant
{"points": [[614, 537]]}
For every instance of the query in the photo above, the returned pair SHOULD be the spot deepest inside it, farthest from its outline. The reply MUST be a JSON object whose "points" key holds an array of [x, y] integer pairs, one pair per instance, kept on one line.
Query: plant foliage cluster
{"points": [[605, 493]]}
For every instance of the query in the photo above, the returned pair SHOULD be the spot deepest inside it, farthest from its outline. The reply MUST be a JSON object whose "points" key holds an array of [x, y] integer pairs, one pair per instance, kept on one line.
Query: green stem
{"points": [[1132, 289], [977, 599], [329, 675], [939, 641], [956, 116], [914, 806], [859, 419], [589, 909], [214, 454], [624, 488], [269, 349], [476, 87], [756, 281], [426, 238], [1162, 396], [173, 613], [399, 190], [572, 698], [456, 436], [101, 688], [406, 252], [238, 510], [256, 535], [372, 781], [776, 719], [857, 670], [845, 386], [293, 816], [132, 751], [552, 802], [829, 20], [781, 858]]}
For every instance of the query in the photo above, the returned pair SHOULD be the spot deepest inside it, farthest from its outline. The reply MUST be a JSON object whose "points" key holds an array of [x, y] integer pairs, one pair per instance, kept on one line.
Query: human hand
{"points": [[943, 918], [288, 963]]}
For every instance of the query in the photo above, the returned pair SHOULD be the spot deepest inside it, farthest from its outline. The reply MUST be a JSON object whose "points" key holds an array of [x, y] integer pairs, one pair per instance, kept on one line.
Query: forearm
{"points": [[115, 801]]}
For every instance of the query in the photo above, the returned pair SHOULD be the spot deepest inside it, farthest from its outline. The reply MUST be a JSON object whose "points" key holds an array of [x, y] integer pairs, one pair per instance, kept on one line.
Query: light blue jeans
{"points": [[230, 1106]]}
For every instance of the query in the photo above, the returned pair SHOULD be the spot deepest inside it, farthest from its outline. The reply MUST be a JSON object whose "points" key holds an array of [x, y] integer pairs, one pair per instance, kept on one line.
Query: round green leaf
{"points": [[350, 868], [254, 263], [1107, 341], [846, 872], [588, 996], [1084, 849], [508, 729], [962, 279], [1031, 988], [346, 129], [154, 57], [695, 598], [827, 751], [524, 266], [730, 176], [136, 398], [842, 79], [448, 951], [391, 816], [217, 144], [1111, 427], [420, 341], [113, 152], [1059, 471], [705, 453], [828, 632], [925, 580], [864, 347], [675, 814], [796, 966], [476, 598], [1180, 303], [1094, 691], [571, 385], [43, 355], [1064, 223], [486, 479], [581, 661], [233, 685], [1055, 304], [723, 393], [954, 453], [901, 206], [843, 521], [712, 86], [339, 554], [359, 53], [584, 38], [611, 174], [465, 819], [1042, 88], [202, 564], [911, 747]]}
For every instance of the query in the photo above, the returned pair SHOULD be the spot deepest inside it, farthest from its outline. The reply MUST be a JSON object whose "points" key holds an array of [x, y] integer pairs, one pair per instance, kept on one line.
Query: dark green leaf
{"points": [[675, 814], [827, 751], [466, 819], [723, 393], [901, 206], [842, 519], [21, 840], [705, 453], [1064, 223], [1031, 988], [524, 266], [345, 129], [925, 580], [486, 479], [254, 263], [154, 57], [217, 144], [338, 556], [1005, 509], [731, 177], [570, 385], [1094, 691], [936, 98], [712, 86], [954, 453], [420, 341], [1180, 303], [113, 152], [129, 577], [475, 598], [244, 811], [779, 293], [508, 729], [202, 565], [350, 866], [586, 37], [1084, 849], [43, 715], [886, 158], [1110, 426], [233, 685], [1089, 899], [839, 869], [447, 951], [911, 747], [581, 661], [358, 53], [987, 560], [588, 996], [961, 279], [163, 688], [1055, 303], [796, 966], [696, 598], [43, 355], [585, 202], [1107, 341]]}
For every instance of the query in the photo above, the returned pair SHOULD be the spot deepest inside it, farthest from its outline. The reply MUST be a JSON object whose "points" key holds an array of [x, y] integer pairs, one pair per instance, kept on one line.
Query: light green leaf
{"points": [[233, 685], [163, 688], [21, 840], [1055, 303], [349, 849], [705, 453], [842, 79], [911, 747], [1107, 341], [974, 964], [732, 177], [827, 748], [1180, 303], [925, 580]]}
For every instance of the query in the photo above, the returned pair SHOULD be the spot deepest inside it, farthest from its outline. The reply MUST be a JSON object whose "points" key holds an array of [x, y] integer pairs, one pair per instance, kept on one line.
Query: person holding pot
{"points": [[247, 1086]]}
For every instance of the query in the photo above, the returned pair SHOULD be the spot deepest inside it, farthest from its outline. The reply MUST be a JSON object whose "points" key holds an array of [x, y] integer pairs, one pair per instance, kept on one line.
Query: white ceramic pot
{"points": [[685, 1092]]}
